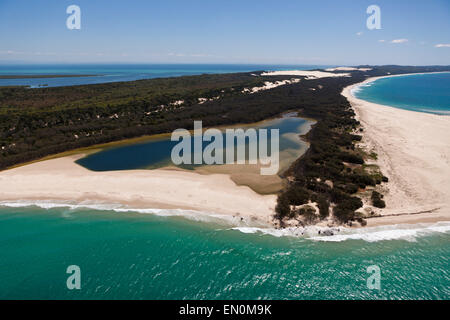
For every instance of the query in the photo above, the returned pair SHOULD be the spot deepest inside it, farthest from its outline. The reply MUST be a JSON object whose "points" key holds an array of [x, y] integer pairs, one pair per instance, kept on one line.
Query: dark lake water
{"points": [[156, 153]]}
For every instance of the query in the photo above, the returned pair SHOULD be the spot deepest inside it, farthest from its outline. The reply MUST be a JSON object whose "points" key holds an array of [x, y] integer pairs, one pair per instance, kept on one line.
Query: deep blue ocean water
{"points": [[421, 92], [123, 72]]}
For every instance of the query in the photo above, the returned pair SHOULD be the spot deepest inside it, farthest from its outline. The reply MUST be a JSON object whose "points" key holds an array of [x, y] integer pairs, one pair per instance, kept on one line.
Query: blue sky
{"points": [[232, 31]]}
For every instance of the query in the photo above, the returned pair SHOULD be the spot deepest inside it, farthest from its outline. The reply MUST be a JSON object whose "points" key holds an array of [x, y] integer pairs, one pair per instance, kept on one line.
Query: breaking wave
{"points": [[408, 232], [359, 87], [119, 208]]}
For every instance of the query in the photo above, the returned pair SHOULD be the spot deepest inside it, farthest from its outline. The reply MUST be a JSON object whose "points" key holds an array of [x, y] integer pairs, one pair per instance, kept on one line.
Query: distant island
{"points": [[45, 76], [328, 179]]}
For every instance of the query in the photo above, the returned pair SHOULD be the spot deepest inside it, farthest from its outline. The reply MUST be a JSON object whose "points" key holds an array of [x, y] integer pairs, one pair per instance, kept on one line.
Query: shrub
{"points": [[377, 200], [309, 214], [282, 209], [345, 210], [297, 195], [324, 206]]}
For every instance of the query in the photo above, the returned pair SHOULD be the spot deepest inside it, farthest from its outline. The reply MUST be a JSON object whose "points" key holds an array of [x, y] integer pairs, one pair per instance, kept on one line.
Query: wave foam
{"points": [[392, 232], [408, 232], [436, 111], [371, 234], [303, 232], [119, 208], [357, 88]]}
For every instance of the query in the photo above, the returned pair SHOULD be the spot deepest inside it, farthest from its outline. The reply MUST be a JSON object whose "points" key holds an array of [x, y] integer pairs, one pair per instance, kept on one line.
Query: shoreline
{"points": [[413, 151], [62, 180], [373, 79], [239, 192]]}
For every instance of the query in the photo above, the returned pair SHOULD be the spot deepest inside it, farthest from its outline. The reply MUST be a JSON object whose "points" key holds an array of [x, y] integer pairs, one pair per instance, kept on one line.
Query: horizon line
{"points": [[3, 63]]}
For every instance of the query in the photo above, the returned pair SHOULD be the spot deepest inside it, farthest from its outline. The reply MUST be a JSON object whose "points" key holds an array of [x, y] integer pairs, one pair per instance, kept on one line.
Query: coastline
{"points": [[62, 180], [408, 143], [413, 151]]}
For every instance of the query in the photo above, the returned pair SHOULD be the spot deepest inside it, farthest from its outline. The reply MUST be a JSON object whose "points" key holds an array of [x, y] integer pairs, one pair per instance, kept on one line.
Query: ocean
{"points": [[421, 92], [104, 73], [163, 255]]}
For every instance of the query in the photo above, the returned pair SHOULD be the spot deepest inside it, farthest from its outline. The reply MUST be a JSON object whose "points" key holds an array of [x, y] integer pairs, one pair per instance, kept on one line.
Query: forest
{"points": [[38, 122]]}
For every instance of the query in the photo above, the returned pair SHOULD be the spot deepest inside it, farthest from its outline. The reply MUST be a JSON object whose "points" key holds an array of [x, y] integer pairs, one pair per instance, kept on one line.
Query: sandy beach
{"points": [[413, 151], [63, 180], [238, 191]]}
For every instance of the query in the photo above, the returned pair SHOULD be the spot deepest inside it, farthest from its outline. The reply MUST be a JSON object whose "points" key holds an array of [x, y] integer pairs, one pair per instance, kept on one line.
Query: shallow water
{"points": [[422, 92], [146, 256]]}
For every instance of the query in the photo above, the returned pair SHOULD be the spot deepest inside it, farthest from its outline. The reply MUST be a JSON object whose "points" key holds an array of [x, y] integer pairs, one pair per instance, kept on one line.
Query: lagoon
{"points": [[155, 152]]}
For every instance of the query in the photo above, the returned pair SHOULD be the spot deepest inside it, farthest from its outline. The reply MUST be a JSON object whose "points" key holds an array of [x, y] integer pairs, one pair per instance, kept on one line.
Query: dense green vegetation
{"points": [[39, 122], [377, 200]]}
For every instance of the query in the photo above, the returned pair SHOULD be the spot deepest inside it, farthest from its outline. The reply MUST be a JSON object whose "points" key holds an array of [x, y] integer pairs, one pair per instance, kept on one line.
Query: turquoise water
{"points": [[156, 153], [123, 72], [422, 92], [141, 256]]}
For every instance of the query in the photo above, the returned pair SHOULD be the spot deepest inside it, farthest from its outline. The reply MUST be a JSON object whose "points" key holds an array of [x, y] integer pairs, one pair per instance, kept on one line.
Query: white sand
{"points": [[270, 85], [348, 69], [308, 74], [63, 180], [414, 153]]}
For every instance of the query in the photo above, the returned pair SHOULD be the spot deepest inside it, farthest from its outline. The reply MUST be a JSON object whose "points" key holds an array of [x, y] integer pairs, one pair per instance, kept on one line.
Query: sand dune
{"points": [[348, 69], [308, 74]]}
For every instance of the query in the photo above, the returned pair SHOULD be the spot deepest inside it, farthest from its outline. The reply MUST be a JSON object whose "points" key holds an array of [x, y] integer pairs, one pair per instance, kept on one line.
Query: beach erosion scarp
{"points": [[413, 151]]}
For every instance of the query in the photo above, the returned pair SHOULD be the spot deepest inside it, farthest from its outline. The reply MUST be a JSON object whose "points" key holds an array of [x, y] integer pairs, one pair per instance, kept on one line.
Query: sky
{"points": [[319, 32]]}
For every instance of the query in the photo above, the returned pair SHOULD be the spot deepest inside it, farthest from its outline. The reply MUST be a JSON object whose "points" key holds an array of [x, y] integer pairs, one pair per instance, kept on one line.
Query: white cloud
{"points": [[193, 55], [33, 53], [381, 40], [443, 45], [359, 33], [399, 41], [11, 52], [200, 55], [172, 54]]}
